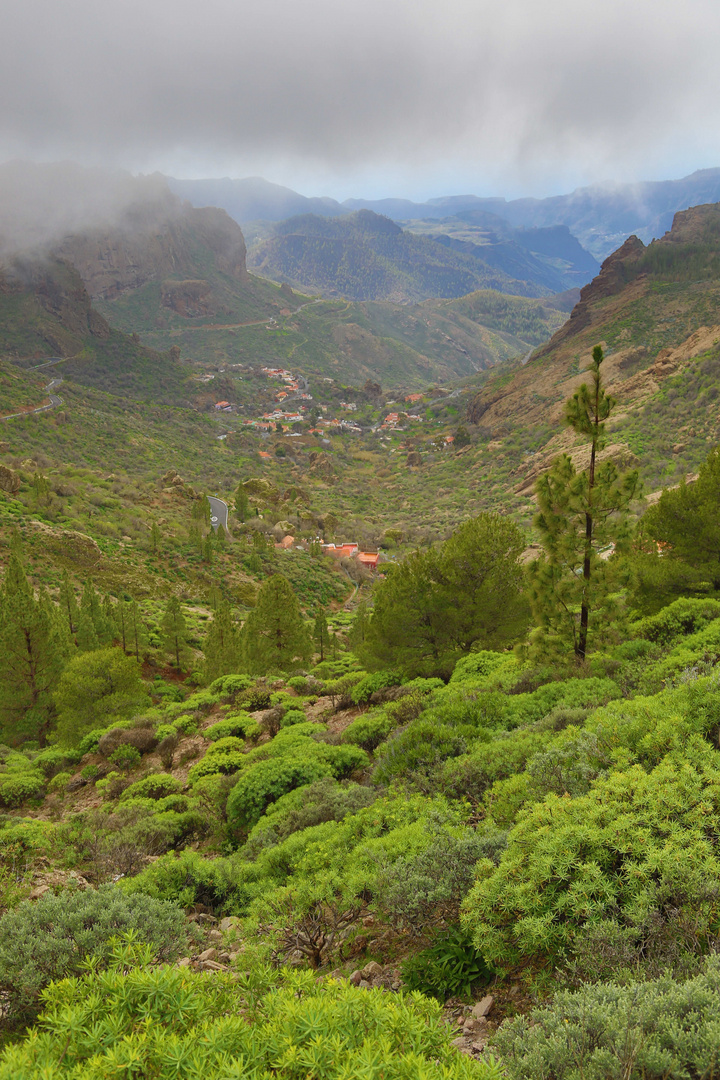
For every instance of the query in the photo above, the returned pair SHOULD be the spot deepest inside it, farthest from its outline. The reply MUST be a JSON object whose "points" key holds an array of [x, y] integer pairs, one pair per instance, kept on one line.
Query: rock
{"points": [[414, 459], [372, 970], [369, 920], [209, 954], [185, 962], [228, 923], [211, 965], [475, 1025], [678, 448], [355, 978], [483, 1006], [40, 891], [9, 480], [215, 935], [364, 984]]}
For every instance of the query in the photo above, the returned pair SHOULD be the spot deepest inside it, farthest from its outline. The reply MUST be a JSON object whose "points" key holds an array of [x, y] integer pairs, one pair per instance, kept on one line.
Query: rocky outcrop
{"points": [[188, 298]]}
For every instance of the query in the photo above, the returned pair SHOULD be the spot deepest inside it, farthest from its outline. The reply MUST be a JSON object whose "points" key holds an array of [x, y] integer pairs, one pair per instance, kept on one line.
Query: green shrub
{"points": [[155, 786], [59, 782], [50, 760], [230, 685], [19, 787], [635, 857], [303, 763], [370, 684], [324, 800], [185, 878], [451, 967], [645, 1031], [417, 751], [217, 763], [50, 938], [241, 725], [254, 699], [369, 731], [293, 716], [89, 772], [480, 668], [176, 1024], [185, 725], [125, 757], [679, 619], [89, 743]]}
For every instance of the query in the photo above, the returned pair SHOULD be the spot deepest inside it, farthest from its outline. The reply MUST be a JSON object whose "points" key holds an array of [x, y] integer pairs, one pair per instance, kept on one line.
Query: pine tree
{"points": [[34, 646], [581, 514], [274, 635], [174, 632], [207, 550], [136, 632], [321, 634], [222, 646], [242, 503], [154, 537], [68, 603]]}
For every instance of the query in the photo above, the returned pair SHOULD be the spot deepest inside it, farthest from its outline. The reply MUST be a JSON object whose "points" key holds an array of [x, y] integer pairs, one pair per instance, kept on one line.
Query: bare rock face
{"points": [[188, 298], [9, 480]]}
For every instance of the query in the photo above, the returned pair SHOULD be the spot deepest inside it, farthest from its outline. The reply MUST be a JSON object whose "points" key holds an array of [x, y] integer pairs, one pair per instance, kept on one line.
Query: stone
{"points": [[483, 1006], [355, 978], [185, 962], [40, 891], [475, 1025], [372, 970], [211, 965], [209, 954], [228, 923], [214, 935], [364, 984]]}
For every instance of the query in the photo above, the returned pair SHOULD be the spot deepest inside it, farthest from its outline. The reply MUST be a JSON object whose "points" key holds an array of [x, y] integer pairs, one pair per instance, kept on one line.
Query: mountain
{"points": [[252, 199], [654, 310], [600, 216], [365, 256]]}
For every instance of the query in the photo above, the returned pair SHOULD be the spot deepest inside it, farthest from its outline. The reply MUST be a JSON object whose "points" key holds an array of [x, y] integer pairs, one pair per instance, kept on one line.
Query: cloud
{"points": [[517, 92]]}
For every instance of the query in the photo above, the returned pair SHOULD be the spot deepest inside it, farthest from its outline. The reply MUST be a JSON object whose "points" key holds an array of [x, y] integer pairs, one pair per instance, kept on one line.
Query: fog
{"points": [[347, 98]]}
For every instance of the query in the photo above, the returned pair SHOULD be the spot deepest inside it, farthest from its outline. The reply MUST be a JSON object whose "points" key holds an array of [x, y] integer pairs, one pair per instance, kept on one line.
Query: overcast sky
{"points": [[367, 97]]}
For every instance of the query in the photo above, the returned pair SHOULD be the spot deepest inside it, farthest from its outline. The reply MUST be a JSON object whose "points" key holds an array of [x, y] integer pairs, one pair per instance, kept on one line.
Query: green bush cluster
{"points": [[450, 967]]}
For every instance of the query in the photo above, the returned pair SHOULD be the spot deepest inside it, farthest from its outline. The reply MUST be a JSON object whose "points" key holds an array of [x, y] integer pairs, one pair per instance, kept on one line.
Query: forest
{"points": [[465, 826]]}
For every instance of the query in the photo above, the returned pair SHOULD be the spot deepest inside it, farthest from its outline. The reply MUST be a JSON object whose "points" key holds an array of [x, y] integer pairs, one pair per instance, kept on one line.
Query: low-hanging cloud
{"points": [[511, 91]]}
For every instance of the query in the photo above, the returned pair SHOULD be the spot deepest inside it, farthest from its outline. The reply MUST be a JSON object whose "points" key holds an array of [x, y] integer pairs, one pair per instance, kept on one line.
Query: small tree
{"points": [[274, 635], [174, 632], [582, 518], [321, 635], [222, 646], [95, 689], [242, 503], [154, 537]]}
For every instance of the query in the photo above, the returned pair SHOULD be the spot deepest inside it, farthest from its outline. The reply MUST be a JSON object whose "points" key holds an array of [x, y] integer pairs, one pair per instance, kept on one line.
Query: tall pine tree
{"points": [[222, 647], [274, 634], [582, 516], [175, 633], [34, 645]]}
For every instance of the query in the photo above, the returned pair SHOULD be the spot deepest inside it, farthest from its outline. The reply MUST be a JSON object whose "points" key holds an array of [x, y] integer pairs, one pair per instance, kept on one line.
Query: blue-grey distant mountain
{"points": [[365, 256], [601, 217]]}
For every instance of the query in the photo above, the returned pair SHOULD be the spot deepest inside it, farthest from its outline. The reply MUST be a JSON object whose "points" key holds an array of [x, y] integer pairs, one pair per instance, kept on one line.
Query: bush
{"points": [[451, 967], [50, 938], [293, 716], [143, 739], [416, 751], [125, 757], [230, 685], [683, 617], [324, 800], [185, 725], [51, 761], [59, 782], [635, 857], [242, 725], [645, 1031], [217, 763], [17, 788], [89, 743], [254, 699], [174, 1024], [155, 786], [369, 731], [89, 772], [302, 762], [370, 684], [185, 878]]}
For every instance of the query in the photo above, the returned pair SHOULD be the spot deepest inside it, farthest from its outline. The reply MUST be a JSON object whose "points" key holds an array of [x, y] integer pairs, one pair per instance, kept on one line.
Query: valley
{"points": [[325, 723]]}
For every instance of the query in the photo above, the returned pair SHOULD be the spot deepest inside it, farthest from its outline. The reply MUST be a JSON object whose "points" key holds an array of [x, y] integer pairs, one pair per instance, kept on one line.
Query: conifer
{"points": [[274, 635], [321, 634], [174, 632], [222, 647]]}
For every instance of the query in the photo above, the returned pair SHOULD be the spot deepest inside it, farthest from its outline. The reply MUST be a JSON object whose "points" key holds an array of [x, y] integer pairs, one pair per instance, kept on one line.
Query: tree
{"points": [[136, 632], [436, 605], [242, 503], [96, 689], [154, 537], [34, 646], [582, 518], [685, 525], [222, 646], [274, 635], [68, 603], [174, 632], [321, 634]]}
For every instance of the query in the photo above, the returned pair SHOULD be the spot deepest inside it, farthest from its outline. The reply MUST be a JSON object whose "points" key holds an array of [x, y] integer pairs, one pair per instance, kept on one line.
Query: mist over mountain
{"points": [[601, 216]]}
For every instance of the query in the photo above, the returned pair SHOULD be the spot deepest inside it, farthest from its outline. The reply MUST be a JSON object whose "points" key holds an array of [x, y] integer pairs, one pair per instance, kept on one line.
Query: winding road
{"points": [[55, 400], [219, 514]]}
